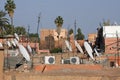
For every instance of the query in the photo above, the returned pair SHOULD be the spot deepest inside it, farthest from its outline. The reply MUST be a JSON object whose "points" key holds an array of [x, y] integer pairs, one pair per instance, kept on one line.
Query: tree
{"points": [[9, 7], [70, 31], [20, 30], [79, 35], [105, 23], [3, 22], [33, 34], [8, 29], [59, 22]]}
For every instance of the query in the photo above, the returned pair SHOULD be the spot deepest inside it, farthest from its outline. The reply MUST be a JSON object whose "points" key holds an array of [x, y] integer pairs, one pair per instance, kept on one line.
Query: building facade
{"points": [[92, 38], [109, 39], [49, 38]]}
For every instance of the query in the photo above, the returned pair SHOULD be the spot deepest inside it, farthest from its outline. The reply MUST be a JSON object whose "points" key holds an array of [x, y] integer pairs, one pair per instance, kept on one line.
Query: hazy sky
{"points": [[87, 13]]}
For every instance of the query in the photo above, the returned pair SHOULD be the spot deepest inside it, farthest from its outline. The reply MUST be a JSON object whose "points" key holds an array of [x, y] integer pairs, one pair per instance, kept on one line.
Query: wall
{"points": [[1, 63]]}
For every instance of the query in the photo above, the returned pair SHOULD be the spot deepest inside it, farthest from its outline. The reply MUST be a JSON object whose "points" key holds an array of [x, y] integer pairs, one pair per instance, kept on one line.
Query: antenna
{"points": [[75, 29], [38, 22], [117, 46], [37, 29], [28, 33], [68, 31]]}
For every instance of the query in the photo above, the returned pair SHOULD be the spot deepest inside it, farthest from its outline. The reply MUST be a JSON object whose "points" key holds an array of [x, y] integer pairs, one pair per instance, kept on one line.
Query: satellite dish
{"points": [[1, 45], [68, 45], [8, 43], [16, 36], [29, 48], [14, 44], [89, 50], [24, 52], [96, 52], [79, 47]]}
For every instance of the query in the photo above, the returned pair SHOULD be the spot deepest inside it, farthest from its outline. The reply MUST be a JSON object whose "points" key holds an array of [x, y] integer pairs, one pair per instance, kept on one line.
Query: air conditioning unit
{"points": [[49, 60], [65, 61], [74, 60]]}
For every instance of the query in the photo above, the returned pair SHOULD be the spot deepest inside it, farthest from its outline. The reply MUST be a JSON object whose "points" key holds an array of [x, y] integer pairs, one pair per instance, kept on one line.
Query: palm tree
{"points": [[9, 7], [59, 22], [3, 22]]}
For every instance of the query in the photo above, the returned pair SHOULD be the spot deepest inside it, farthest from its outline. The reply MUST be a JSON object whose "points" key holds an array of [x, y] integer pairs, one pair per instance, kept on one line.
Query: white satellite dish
{"points": [[79, 47], [29, 48], [14, 44], [96, 52], [1, 45], [24, 52], [88, 49], [8, 43], [16, 36], [68, 45]]}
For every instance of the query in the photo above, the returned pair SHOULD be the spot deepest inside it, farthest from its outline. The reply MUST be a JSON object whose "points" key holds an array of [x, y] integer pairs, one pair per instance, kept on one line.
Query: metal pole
{"points": [[37, 30], [28, 33], [38, 22], [117, 47], [75, 30]]}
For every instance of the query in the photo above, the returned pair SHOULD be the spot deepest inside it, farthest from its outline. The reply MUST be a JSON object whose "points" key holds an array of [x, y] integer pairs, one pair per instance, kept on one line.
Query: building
{"points": [[49, 38], [111, 36], [92, 38], [109, 41]]}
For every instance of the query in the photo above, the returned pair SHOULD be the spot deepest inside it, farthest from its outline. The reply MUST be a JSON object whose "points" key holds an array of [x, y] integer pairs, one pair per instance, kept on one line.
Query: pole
{"points": [[117, 47], [68, 38], [75, 30], [38, 22], [28, 33], [37, 30], [74, 38]]}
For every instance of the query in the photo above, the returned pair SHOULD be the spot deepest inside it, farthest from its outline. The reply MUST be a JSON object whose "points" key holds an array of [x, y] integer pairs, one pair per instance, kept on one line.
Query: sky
{"points": [[87, 13]]}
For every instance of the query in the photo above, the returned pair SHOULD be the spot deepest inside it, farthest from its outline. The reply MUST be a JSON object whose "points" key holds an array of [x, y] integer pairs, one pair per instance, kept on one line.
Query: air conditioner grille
{"points": [[73, 60], [51, 60]]}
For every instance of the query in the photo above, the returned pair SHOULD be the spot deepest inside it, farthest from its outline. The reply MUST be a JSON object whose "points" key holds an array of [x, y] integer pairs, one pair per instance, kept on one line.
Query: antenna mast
{"points": [[37, 38], [38, 22], [75, 29]]}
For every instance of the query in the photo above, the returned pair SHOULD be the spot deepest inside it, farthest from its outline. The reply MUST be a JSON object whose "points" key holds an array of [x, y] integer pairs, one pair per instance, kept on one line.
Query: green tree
{"points": [[79, 35], [70, 31], [33, 35], [3, 22], [9, 7], [20, 30], [8, 29]]}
